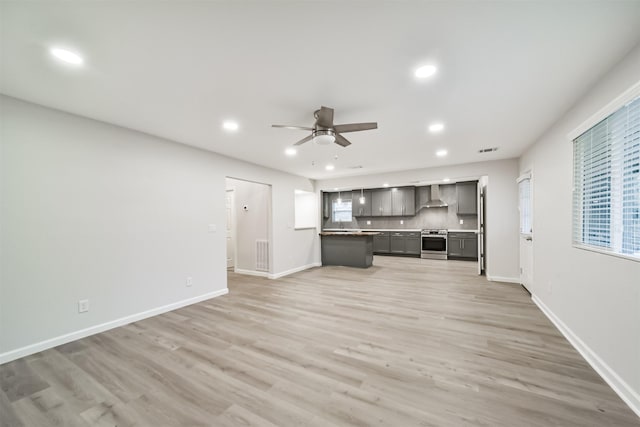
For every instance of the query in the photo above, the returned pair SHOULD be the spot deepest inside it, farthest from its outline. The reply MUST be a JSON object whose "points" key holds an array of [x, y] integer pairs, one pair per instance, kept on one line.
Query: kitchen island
{"points": [[347, 248]]}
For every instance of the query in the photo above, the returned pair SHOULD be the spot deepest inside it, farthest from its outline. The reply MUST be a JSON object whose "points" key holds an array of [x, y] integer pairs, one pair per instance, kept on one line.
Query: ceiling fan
{"points": [[325, 132]]}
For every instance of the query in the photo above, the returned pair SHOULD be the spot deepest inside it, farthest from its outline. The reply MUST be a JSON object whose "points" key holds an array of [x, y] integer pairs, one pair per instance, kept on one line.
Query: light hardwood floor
{"points": [[407, 342]]}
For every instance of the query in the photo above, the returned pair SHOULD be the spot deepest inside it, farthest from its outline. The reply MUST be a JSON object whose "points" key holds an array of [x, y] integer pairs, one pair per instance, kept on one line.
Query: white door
{"points": [[231, 247], [525, 192]]}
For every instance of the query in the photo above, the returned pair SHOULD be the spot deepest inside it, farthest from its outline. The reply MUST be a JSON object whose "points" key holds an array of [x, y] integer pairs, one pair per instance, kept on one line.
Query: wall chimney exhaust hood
{"points": [[435, 201]]}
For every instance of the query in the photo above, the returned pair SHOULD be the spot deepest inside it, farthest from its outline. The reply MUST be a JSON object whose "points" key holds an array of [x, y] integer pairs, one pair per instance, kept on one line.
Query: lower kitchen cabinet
{"points": [[403, 243], [381, 243], [413, 244], [462, 245]]}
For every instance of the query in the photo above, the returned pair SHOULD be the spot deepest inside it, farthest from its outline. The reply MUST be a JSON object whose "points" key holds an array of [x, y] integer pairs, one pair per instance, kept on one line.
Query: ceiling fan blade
{"points": [[305, 139], [355, 127], [325, 117], [291, 127], [341, 140]]}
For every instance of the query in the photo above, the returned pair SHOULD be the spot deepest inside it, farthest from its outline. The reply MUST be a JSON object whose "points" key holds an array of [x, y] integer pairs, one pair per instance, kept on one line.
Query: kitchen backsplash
{"points": [[437, 218]]}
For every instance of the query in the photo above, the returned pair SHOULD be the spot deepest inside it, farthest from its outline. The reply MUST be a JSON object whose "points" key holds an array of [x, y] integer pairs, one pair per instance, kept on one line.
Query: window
{"points": [[342, 210], [524, 192], [606, 174]]}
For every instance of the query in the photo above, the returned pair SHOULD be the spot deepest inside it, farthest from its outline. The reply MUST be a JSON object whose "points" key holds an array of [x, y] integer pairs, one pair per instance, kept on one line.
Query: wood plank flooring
{"points": [[407, 342]]}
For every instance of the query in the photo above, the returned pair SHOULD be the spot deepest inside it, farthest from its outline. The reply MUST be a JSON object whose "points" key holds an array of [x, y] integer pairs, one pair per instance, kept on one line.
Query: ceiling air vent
{"points": [[487, 150], [356, 167]]}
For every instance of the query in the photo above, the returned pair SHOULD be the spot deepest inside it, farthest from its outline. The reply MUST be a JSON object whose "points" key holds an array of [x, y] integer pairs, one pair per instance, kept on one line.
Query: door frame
{"points": [[527, 236], [233, 227]]}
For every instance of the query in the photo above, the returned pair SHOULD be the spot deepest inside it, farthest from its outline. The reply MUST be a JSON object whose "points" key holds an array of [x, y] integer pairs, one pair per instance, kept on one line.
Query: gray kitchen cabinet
{"points": [[467, 193], [462, 245], [403, 201], [358, 208], [381, 243], [405, 243], [326, 205], [381, 202], [413, 243], [397, 243]]}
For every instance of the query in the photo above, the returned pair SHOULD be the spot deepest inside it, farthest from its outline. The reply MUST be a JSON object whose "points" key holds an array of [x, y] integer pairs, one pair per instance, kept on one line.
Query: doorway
{"points": [[248, 209], [525, 206], [231, 246]]}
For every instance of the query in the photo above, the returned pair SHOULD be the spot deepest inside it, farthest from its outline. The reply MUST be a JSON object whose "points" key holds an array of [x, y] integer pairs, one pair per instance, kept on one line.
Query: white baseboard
{"points": [[294, 270], [251, 272], [503, 279], [276, 275], [63, 339], [624, 390]]}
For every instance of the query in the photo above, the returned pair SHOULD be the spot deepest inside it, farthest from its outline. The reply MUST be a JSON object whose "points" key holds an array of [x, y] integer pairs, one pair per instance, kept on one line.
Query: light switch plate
{"points": [[212, 228]]}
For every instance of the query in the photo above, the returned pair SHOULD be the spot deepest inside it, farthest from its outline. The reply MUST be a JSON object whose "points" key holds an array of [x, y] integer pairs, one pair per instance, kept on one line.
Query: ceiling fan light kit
{"points": [[323, 137]]}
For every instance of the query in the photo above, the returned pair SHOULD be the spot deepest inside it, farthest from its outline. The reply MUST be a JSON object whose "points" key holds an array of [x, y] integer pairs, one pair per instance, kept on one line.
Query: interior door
{"points": [[525, 205], [231, 247]]}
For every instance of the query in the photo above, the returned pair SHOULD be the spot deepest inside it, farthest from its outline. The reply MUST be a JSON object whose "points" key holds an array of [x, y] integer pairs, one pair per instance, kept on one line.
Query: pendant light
{"points": [[339, 198], [362, 199]]}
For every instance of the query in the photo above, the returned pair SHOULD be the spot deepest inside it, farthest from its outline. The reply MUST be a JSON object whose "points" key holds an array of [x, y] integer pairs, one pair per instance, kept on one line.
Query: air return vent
{"points": [[262, 255], [487, 150]]}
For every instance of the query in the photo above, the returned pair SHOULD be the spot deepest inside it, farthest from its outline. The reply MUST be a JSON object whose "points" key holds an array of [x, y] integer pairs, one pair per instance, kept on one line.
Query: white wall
{"points": [[251, 224], [92, 210], [596, 296], [501, 242]]}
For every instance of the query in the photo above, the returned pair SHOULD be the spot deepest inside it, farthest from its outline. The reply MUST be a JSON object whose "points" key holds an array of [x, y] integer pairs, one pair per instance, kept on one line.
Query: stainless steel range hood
{"points": [[435, 201]]}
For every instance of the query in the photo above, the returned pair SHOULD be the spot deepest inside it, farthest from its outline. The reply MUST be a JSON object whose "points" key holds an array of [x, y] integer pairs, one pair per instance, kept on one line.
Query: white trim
{"points": [[294, 270], [73, 336], [605, 252], [621, 100], [624, 390], [251, 272], [526, 175], [503, 279]]}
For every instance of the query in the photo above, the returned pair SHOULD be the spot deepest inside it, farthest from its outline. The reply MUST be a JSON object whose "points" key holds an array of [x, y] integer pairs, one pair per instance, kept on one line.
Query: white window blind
{"points": [[606, 195], [524, 191]]}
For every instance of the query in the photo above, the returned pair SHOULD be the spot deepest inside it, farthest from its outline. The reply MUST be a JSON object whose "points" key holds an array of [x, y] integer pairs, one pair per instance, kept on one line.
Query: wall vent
{"points": [[487, 150], [262, 255]]}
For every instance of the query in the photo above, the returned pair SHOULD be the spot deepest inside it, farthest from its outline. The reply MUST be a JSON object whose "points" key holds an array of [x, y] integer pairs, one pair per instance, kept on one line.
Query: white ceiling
{"points": [[507, 71]]}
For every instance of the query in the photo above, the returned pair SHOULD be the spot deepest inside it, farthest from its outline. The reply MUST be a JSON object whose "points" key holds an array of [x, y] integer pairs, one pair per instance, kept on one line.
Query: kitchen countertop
{"points": [[349, 233], [372, 229], [356, 230]]}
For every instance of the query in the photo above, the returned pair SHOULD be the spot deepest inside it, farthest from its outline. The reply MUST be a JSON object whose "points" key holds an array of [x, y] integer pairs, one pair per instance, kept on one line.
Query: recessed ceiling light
{"points": [[385, 184], [441, 153], [426, 71], [329, 167], [436, 127], [66, 56], [290, 151], [230, 126], [335, 189], [446, 180]]}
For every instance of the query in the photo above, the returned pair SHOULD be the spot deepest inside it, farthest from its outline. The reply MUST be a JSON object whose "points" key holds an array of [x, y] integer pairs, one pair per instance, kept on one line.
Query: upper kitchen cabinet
{"points": [[381, 202], [326, 205], [403, 201], [467, 198], [361, 209]]}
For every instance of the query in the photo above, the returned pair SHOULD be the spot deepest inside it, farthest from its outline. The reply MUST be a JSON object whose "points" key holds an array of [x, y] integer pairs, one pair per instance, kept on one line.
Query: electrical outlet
{"points": [[189, 281], [461, 221], [212, 228], [401, 222], [368, 222], [83, 306]]}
